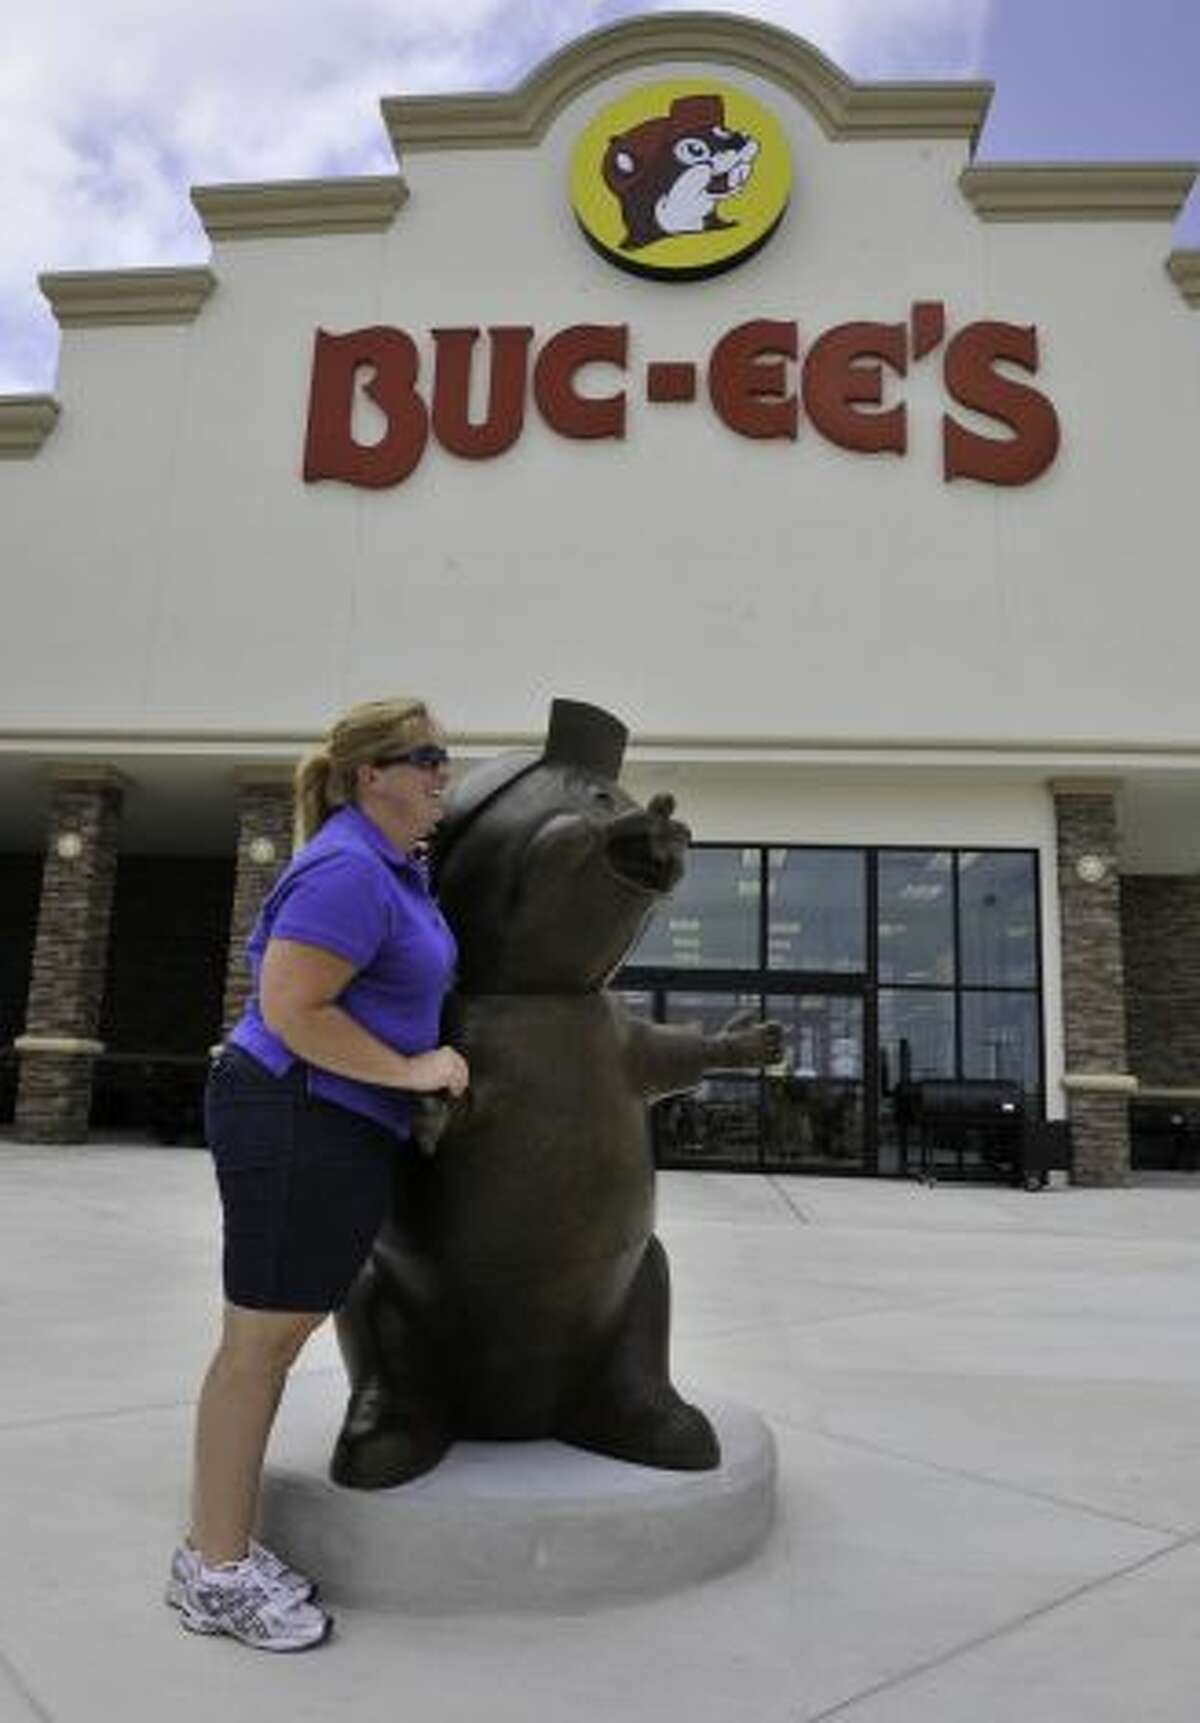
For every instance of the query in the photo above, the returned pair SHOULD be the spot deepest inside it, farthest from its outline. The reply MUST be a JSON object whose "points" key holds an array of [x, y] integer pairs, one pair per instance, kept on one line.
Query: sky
{"points": [[110, 110]]}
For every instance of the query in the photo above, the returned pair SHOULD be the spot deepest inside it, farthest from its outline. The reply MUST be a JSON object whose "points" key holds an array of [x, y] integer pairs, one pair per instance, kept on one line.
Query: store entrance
{"points": [[814, 1112], [894, 972], [809, 1113]]}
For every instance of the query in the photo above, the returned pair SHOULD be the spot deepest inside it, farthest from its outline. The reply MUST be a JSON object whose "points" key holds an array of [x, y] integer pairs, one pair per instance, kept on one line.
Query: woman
{"points": [[307, 1104]]}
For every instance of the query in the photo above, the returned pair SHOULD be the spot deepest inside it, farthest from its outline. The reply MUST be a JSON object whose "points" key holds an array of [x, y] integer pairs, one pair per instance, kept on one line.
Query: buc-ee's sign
{"points": [[761, 381], [679, 182]]}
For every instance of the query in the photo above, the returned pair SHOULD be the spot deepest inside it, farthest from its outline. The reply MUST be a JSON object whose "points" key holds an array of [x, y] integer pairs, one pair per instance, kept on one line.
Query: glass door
{"points": [[805, 1114], [813, 1103], [889, 969], [719, 1122]]}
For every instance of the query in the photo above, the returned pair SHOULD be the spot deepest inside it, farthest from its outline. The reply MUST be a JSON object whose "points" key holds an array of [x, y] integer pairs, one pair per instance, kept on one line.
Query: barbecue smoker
{"points": [[977, 1129]]}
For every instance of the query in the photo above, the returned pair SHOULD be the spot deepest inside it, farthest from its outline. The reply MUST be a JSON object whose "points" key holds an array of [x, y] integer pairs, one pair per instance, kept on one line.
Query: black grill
{"points": [[982, 1128], [984, 1102]]}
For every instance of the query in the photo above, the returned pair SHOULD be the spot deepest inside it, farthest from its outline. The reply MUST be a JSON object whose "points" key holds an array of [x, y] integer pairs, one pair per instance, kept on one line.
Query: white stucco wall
{"points": [[169, 570]]}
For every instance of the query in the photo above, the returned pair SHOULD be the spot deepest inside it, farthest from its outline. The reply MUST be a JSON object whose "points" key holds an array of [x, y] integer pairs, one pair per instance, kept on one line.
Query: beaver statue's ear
{"points": [[621, 161]]}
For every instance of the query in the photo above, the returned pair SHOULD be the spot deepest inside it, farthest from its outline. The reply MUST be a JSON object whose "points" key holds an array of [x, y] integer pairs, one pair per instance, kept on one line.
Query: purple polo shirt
{"points": [[350, 891]]}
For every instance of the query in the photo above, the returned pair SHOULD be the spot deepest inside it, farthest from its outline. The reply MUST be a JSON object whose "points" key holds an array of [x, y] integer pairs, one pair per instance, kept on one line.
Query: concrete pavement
{"points": [[987, 1410]]}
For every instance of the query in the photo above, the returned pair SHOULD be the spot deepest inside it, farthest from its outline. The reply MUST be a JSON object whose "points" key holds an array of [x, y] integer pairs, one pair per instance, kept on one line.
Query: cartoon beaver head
{"points": [[670, 173]]}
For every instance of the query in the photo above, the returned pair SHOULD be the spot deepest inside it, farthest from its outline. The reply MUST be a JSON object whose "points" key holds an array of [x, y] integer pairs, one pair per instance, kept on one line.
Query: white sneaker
{"points": [[238, 1601], [186, 1561], [274, 1568]]}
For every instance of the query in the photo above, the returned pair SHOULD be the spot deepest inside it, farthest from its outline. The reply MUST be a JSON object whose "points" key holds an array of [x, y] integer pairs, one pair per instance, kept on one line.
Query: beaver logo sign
{"points": [[680, 180]]}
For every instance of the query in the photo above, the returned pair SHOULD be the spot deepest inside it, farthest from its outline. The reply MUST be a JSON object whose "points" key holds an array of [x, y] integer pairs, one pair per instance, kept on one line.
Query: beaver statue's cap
{"points": [[577, 735], [585, 736]]}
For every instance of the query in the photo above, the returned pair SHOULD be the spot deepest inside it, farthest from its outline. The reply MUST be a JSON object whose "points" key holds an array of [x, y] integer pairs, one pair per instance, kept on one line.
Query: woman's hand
{"points": [[443, 1068]]}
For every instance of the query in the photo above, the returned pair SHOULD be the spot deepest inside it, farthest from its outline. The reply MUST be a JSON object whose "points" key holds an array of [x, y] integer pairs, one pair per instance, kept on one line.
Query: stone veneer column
{"points": [[1097, 1080], [59, 1046], [264, 848], [1160, 925]]}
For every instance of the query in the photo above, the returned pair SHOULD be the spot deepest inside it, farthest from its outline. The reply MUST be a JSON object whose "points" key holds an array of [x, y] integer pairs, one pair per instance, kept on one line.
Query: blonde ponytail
{"points": [[311, 793], [325, 777]]}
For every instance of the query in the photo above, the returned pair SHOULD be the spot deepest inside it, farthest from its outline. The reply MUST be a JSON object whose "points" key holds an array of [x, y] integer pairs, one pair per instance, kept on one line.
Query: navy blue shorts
{"points": [[304, 1185]]}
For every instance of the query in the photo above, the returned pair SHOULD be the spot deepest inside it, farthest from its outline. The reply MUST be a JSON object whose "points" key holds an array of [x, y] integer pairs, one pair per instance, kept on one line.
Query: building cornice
{"points": [[1098, 786], [95, 774], [95, 298], [1184, 269], [842, 108], [25, 423], [1077, 191], [1088, 765], [296, 208]]}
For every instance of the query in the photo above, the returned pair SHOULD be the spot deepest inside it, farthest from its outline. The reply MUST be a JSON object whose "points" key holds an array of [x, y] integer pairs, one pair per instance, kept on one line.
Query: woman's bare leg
{"points": [[237, 1408]]}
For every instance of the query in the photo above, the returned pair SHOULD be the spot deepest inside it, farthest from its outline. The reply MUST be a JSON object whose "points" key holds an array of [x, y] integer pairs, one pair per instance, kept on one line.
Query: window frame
{"points": [[659, 980]]}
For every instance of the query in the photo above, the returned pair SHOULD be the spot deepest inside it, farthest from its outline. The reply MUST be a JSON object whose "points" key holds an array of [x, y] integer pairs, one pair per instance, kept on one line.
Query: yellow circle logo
{"points": [[681, 180]]}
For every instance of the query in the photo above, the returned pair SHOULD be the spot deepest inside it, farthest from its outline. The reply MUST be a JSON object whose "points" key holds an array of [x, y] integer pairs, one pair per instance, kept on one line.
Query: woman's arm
{"points": [[298, 988]]}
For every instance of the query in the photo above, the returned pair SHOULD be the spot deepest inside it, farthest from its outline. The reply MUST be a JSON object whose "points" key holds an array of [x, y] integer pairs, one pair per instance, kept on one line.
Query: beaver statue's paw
{"points": [[381, 1445], [666, 1432], [430, 1116], [746, 1040]]}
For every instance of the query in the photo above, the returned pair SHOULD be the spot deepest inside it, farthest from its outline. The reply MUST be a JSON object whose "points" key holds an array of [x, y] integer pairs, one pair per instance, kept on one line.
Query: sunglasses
{"points": [[427, 757]]}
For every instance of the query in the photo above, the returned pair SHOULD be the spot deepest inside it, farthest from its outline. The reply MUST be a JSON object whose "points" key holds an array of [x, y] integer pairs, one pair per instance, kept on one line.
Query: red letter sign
{"points": [[747, 379], [506, 392], [971, 380], [835, 379], [566, 411], [330, 451]]}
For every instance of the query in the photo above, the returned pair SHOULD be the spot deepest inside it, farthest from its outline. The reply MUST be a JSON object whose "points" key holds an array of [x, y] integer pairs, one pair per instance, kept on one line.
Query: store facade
{"points": [[695, 380]]}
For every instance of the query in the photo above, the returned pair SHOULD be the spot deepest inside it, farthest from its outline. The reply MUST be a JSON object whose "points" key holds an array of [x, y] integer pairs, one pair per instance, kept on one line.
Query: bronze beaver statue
{"points": [[518, 1290]]}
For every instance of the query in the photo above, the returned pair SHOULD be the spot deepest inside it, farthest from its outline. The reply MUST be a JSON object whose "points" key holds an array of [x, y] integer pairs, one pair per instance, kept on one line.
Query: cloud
{"points": [[879, 38], [110, 110]]}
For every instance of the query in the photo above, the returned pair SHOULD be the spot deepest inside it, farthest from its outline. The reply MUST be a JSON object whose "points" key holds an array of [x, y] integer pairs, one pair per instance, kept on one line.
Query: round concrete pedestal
{"points": [[514, 1526]]}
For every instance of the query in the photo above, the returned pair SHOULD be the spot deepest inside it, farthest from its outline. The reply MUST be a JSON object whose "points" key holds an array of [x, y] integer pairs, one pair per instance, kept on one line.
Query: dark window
{"points": [[1000, 1037], [168, 941], [20, 896], [916, 916], [711, 920], [815, 1104], [997, 918], [886, 967], [710, 1010], [822, 1033], [817, 910], [719, 1120], [916, 1033]]}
